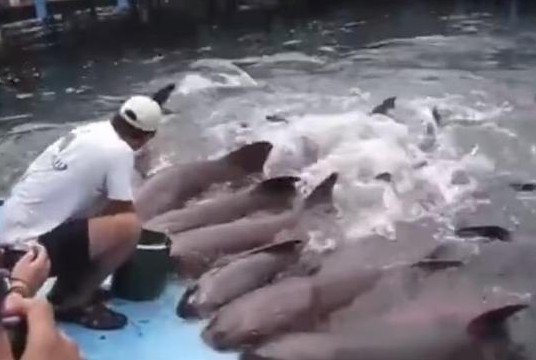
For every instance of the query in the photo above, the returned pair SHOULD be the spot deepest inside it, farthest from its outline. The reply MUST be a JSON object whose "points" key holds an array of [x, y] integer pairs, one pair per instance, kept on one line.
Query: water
{"points": [[474, 61]]}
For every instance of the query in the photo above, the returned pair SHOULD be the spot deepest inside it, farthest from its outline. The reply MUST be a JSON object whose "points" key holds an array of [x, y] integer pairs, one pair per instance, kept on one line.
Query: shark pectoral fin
{"points": [[323, 193], [290, 245], [250, 157], [166, 111], [437, 117], [184, 309], [491, 323], [489, 231], [523, 187], [385, 106], [436, 265], [384, 176], [282, 184], [162, 95]]}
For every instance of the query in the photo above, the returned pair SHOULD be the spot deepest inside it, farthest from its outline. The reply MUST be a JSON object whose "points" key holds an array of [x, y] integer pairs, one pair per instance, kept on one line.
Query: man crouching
{"points": [[76, 200]]}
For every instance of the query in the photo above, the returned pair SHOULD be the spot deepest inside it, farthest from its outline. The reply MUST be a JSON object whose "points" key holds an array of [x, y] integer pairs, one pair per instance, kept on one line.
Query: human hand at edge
{"points": [[32, 269], [44, 341]]}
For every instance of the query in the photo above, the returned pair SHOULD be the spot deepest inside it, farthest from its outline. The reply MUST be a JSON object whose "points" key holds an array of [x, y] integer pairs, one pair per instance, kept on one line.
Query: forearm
{"points": [[118, 207]]}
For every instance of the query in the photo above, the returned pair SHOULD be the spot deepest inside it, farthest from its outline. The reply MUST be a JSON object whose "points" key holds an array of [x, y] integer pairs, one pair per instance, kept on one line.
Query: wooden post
{"points": [[122, 4], [231, 7], [40, 7], [92, 9], [514, 12], [144, 8]]}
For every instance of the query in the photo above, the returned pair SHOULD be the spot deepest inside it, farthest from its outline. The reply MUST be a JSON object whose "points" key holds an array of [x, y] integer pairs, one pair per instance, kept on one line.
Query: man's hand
{"points": [[43, 341], [32, 269]]}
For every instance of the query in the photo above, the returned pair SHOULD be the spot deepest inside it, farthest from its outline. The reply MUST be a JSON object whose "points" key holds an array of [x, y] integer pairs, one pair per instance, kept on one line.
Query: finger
{"points": [[5, 346], [40, 319], [26, 258], [14, 305], [66, 340], [71, 347], [41, 255]]}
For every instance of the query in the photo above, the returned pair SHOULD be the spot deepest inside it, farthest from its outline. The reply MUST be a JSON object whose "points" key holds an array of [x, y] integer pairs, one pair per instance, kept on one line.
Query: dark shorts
{"points": [[68, 248]]}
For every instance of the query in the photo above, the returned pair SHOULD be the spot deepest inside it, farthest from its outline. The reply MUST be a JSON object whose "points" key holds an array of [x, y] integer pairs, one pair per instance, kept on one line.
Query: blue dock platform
{"points": [[154, 332]]}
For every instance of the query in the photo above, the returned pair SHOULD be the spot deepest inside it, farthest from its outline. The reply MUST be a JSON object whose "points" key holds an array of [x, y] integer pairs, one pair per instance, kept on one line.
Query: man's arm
{"points": [[117, 207]]}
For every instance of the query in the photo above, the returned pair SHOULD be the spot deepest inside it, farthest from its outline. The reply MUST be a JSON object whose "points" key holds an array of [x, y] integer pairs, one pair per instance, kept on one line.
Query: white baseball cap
{"points": [[141, 112]]}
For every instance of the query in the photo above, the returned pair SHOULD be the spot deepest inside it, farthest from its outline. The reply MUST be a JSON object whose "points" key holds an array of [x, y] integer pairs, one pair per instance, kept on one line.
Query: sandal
{"points": [[94, 316], [56, 297], [102, 295]]}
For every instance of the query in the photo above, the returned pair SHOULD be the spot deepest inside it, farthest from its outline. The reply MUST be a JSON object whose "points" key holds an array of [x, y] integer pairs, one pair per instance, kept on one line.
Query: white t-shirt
{"points": [[71, 179]]}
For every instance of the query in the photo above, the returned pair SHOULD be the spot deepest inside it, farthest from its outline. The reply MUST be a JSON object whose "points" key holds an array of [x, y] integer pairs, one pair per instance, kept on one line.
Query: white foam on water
{"points": [[281, 59], [31, 127], [454, 108], [359, 146], [326, 132], [214, 73], [196, 82], [15, 117]]}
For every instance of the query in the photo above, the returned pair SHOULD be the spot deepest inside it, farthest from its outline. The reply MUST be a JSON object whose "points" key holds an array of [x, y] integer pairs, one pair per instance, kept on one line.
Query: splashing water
{"points": [[322, 133]]}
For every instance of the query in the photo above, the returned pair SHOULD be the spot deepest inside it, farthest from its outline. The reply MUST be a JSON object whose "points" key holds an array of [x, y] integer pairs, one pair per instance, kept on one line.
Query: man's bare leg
{"points": [[112, 240]]}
